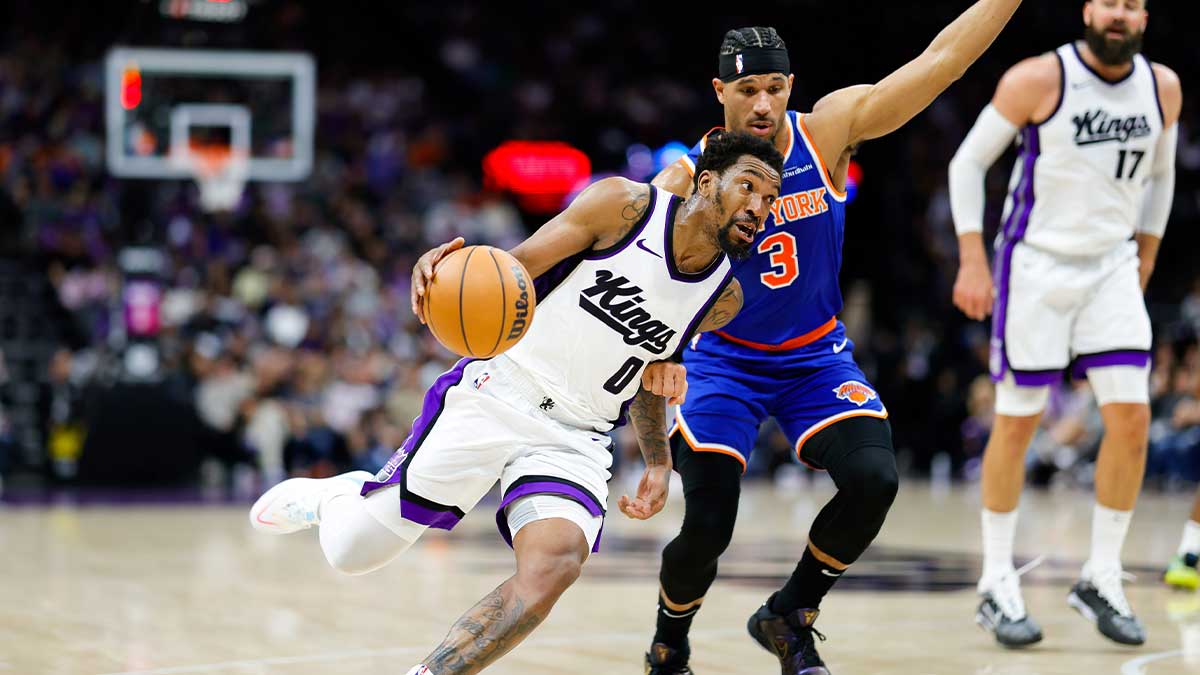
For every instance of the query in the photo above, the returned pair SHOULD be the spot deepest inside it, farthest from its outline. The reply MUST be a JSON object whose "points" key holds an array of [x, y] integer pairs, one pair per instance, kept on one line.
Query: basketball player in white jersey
{"points": [[624, 276], [1087, 207]]}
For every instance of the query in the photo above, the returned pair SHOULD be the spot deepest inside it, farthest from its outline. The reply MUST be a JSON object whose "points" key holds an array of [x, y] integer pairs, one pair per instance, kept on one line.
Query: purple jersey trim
{"points": [[631, 235], [669, 251], [1111, 83]]}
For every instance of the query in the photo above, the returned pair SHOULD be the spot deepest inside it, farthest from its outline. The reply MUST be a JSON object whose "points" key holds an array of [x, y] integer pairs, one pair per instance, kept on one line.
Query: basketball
{"points": [[480, 301]]}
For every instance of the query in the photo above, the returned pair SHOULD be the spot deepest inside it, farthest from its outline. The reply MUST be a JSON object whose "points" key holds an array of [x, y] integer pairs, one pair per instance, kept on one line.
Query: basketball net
{"points": [[221, 173]]}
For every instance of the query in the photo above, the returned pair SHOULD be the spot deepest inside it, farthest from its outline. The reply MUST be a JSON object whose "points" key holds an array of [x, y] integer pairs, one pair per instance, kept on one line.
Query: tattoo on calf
{"points": [[485, 633]]}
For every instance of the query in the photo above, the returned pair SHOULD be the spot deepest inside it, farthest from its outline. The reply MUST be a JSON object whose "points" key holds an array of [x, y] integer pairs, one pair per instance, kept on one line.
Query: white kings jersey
{"points": [[602, 315], [1078, 184]]}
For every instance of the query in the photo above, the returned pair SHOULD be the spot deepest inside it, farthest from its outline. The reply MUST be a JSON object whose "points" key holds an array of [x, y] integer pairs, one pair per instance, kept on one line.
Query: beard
{"points": [[1112, 52], [730, 240]]}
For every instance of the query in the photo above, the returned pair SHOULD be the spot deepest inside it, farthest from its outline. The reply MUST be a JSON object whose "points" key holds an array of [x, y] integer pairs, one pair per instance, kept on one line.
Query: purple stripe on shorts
{"points": [[1012, 232], [435, 400], [1124, 357], [588, 501], [442, 520], [1036, 378]]}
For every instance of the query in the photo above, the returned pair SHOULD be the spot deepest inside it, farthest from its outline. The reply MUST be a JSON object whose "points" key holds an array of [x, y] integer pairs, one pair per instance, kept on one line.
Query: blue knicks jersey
{"points": [[790, 281]]}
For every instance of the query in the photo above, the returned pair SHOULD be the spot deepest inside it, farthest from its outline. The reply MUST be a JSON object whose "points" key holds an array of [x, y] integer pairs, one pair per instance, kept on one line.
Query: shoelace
{"points": [[1108, 585], [1007, 593], [808, 648]]}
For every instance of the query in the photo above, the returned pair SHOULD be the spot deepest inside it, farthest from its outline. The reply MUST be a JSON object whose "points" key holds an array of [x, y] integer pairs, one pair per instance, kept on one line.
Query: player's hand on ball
{"points": [[667, 379], [651, 494], [423, 273], [973, 292]]}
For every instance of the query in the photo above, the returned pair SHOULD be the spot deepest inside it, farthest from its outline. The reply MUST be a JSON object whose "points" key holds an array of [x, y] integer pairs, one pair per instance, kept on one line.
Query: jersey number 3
{"points": [[784, 265]]}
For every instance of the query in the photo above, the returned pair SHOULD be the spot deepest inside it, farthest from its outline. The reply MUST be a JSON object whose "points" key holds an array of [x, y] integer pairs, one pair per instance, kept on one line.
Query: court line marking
{"points": [[390, 651], [1134, 666]]}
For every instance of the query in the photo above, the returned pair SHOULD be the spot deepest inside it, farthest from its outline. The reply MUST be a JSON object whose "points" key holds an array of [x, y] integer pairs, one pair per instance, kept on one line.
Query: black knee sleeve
{"points": [[858, 454], [711, 487]]}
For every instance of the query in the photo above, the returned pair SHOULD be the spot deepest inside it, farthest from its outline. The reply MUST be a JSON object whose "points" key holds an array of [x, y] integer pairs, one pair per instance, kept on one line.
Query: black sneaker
{"points": [[1102, 601], [790, 638], [663, 660]]}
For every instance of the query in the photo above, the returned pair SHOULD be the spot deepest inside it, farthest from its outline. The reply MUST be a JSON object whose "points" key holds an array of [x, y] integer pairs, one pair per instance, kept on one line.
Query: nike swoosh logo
{"points": [[831, 574], [259, 516], [837, 349], [641, 243]]}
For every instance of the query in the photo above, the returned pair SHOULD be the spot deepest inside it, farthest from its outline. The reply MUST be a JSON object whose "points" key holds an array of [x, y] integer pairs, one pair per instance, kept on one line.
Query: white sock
{"points": [[1191, 539], [1108, 536], [999, 531]]}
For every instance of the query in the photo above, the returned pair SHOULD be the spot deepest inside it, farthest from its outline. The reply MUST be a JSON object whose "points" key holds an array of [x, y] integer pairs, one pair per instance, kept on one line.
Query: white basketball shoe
{"points": [[295, 504]]}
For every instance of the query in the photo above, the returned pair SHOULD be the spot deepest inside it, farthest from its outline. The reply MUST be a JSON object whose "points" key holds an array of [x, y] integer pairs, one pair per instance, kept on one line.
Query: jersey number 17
{"points": [[1137, 160]]}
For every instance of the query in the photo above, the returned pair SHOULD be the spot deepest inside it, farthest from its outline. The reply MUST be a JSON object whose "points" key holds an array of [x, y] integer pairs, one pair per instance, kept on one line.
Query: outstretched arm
{"points": [[850, 116]]}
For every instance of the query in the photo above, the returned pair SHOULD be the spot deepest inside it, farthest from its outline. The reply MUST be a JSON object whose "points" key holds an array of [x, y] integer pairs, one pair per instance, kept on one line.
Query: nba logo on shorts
{"points": [[855, 392], [738, 62], [482, 380]]}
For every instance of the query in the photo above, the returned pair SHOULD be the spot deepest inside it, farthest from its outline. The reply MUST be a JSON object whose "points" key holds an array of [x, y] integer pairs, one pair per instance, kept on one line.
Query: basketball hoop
{"points": [[219, 170]]}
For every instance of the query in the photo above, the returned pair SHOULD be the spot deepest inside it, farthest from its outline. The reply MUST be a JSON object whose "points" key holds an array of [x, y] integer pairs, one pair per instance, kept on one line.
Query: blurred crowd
{"points": [[283, 326]]}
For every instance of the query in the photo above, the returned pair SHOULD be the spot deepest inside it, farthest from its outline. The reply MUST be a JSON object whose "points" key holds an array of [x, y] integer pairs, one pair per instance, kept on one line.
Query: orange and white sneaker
{"points": [[295, 504]]}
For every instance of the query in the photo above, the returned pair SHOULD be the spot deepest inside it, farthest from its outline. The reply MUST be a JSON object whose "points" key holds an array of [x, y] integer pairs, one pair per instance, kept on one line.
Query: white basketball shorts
{"points": [[483, 421], [1055, 314]]}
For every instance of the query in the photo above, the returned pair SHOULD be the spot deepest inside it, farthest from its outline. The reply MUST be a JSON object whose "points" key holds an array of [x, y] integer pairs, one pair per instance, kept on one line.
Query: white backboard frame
{"points": [[297, 66]]}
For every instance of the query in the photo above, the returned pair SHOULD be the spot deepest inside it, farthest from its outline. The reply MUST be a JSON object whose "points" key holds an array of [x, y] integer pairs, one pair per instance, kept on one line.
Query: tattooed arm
{"points": [[724, 309], [668, 379], [648, 414]]}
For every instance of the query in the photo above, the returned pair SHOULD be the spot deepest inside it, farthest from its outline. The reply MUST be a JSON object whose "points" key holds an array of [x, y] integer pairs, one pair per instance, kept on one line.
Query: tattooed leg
{"points": [[550, 554]]}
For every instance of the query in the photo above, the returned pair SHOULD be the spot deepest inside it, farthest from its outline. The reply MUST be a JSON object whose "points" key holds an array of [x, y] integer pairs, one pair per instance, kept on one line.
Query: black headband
{"points": [[753, 61]]}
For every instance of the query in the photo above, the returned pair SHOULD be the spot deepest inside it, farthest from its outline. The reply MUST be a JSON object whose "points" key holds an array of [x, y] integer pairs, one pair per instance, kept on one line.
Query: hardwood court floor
{"points": [[192, 589]]}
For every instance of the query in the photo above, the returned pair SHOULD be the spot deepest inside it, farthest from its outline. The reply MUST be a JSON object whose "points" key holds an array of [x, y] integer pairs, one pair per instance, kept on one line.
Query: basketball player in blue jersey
{"points": [[786, 355], [1088, 206], [624, 276]]}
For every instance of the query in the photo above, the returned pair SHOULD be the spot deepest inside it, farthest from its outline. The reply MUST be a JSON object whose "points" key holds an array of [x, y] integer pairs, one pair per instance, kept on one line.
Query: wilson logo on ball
{"points": [[522, 305], [480, 301]]}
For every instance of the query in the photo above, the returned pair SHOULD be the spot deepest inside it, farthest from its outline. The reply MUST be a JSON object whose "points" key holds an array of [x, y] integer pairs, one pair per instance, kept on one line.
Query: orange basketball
{"points": [[480, 301]]}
